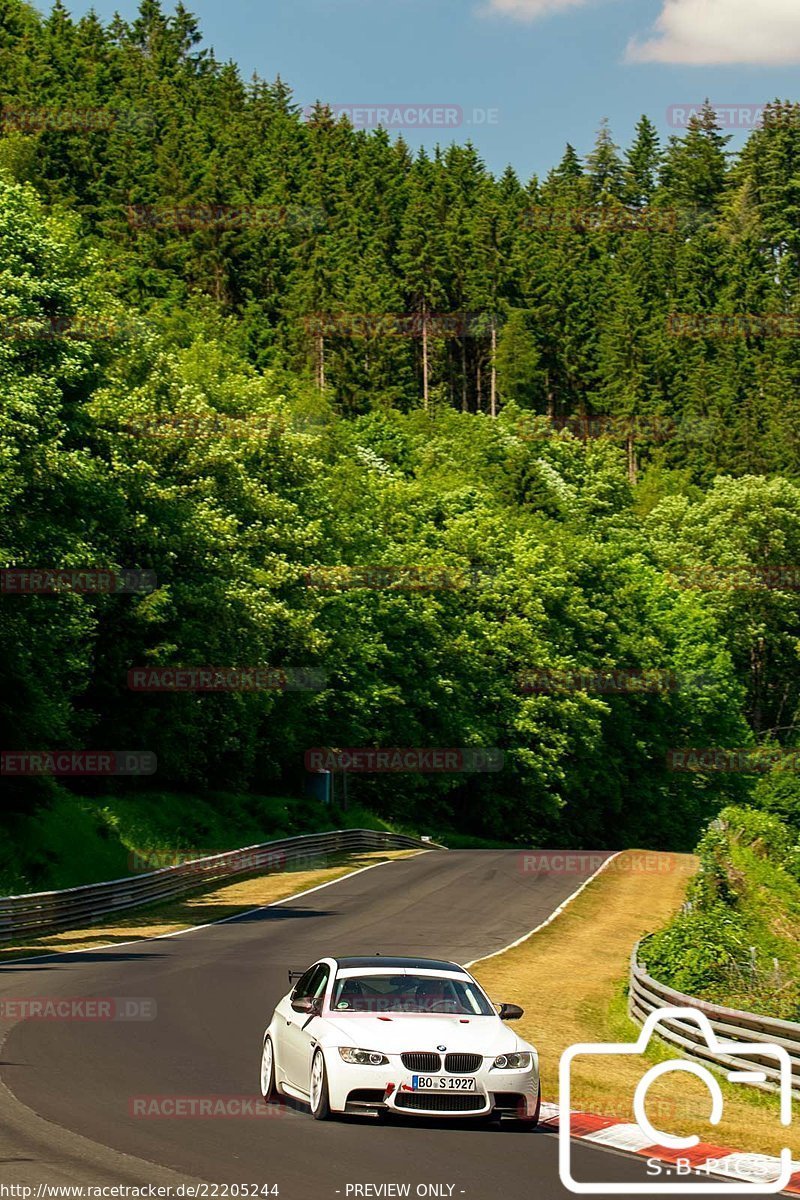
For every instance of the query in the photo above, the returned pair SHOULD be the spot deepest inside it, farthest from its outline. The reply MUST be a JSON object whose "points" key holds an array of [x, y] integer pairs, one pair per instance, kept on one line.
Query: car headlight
{"points": [[520, 1061], [363, 1058]]}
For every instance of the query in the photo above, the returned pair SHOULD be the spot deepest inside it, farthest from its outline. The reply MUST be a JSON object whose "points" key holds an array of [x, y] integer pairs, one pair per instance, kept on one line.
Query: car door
{"points": [[286, 1018], [298, 1031]]}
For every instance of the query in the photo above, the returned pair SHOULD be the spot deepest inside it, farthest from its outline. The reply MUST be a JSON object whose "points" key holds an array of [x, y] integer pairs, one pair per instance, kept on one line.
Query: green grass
{"points": [[569, 977], [73, 840], [738, 943], [465, 841]]}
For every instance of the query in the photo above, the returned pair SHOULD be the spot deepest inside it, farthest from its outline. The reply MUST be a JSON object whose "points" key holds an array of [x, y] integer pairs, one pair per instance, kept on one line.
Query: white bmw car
{"points": [[413, 1036]]}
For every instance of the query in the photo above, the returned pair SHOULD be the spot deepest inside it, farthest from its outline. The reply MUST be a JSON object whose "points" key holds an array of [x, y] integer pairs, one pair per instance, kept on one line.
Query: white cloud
{"points": [[695, 32], [707, 32], [529, 10]]}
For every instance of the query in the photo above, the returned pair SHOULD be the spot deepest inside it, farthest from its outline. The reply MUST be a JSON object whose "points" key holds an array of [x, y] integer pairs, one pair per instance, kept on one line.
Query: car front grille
{"points": [[462, 1064], [419, 1060], [441, 1101]]}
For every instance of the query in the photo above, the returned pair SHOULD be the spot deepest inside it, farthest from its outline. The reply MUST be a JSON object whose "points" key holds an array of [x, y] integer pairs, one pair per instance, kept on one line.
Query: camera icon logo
{"points": [[698, 1178]]}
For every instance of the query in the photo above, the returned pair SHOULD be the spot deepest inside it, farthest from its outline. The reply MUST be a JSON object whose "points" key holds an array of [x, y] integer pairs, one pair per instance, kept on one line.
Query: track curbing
{"points": [[622, 1135]]}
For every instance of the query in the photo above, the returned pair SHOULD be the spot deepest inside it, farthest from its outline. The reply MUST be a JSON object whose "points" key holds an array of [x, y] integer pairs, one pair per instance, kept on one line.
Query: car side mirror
{"points": [[510, 1012], [305, 1004]]}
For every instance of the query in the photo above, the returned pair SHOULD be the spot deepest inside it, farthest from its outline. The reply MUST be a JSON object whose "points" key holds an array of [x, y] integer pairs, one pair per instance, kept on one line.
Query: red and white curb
{"points": [[730, 1164]]}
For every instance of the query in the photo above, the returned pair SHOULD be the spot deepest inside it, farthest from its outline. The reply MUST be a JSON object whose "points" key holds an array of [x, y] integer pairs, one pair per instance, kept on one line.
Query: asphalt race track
{"points": [[65, 1103]]}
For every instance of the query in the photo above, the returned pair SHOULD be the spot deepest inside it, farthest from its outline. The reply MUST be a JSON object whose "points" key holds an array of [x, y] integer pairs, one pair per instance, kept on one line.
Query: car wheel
{"points": [[268, 1089], [318, 1089], [532, 1121]]}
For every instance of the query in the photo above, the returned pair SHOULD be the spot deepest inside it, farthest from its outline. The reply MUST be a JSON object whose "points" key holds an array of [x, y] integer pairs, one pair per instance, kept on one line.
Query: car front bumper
{"points": [[389, 1088]]}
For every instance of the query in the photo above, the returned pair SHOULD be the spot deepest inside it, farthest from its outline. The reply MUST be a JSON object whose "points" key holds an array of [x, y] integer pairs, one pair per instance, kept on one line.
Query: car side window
{"points": [[302, 989], [319, 984], [312, 985]]}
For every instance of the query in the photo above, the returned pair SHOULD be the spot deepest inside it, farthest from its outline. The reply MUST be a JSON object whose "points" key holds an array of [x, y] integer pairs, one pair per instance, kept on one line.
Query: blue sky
{"points": [[518, 77]]}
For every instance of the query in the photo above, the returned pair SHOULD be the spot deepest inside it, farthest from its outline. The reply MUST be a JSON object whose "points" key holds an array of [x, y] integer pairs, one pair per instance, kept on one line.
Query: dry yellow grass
{"points": [[570, 979], [198, 909]]}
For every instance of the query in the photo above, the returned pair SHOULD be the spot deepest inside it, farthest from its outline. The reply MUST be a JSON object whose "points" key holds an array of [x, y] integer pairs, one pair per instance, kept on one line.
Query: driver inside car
{"points": [[432, 995], [350, 994]]}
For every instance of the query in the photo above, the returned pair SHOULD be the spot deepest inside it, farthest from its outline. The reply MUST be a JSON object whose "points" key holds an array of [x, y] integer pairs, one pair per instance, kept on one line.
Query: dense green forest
{"points": [[241, 345]]}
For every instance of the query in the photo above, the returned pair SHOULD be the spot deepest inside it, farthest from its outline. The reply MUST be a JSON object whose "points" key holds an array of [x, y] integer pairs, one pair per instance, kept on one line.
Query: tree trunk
{"points": [[493, 386], [425, 356], [464, 403], [757, 683], [479, 404], [632, 472], [321, 362]]}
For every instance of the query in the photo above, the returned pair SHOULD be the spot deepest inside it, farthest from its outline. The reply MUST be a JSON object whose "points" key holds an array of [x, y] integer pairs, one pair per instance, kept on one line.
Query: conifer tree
{"points": [[642, 164], [695, 166], [422, 253], [605, 169]]}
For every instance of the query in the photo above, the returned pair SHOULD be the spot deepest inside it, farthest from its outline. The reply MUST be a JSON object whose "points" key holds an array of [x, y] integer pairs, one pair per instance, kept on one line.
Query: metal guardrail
{"points": [[80, 906], [646, 995]]}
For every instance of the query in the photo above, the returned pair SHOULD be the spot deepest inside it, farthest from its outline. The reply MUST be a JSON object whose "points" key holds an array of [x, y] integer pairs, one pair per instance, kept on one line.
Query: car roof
{"points": [[399, 963]]}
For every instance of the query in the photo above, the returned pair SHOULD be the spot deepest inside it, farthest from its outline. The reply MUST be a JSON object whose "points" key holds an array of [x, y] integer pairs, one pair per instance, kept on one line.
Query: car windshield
{"points": [[409, 994]]}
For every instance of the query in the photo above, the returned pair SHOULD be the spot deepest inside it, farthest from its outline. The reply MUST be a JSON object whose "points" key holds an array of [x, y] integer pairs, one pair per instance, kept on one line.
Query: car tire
{"points": [[532, 1121], [318, 1088], [269, 1091]]}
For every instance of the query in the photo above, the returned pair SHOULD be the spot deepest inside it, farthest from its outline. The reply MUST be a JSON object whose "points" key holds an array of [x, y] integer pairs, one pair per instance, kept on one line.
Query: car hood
{"points": [[401, 1032]]}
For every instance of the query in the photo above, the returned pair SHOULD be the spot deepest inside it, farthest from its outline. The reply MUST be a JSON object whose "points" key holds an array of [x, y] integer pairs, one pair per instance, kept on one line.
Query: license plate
{"points": [[442, 1083]]}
